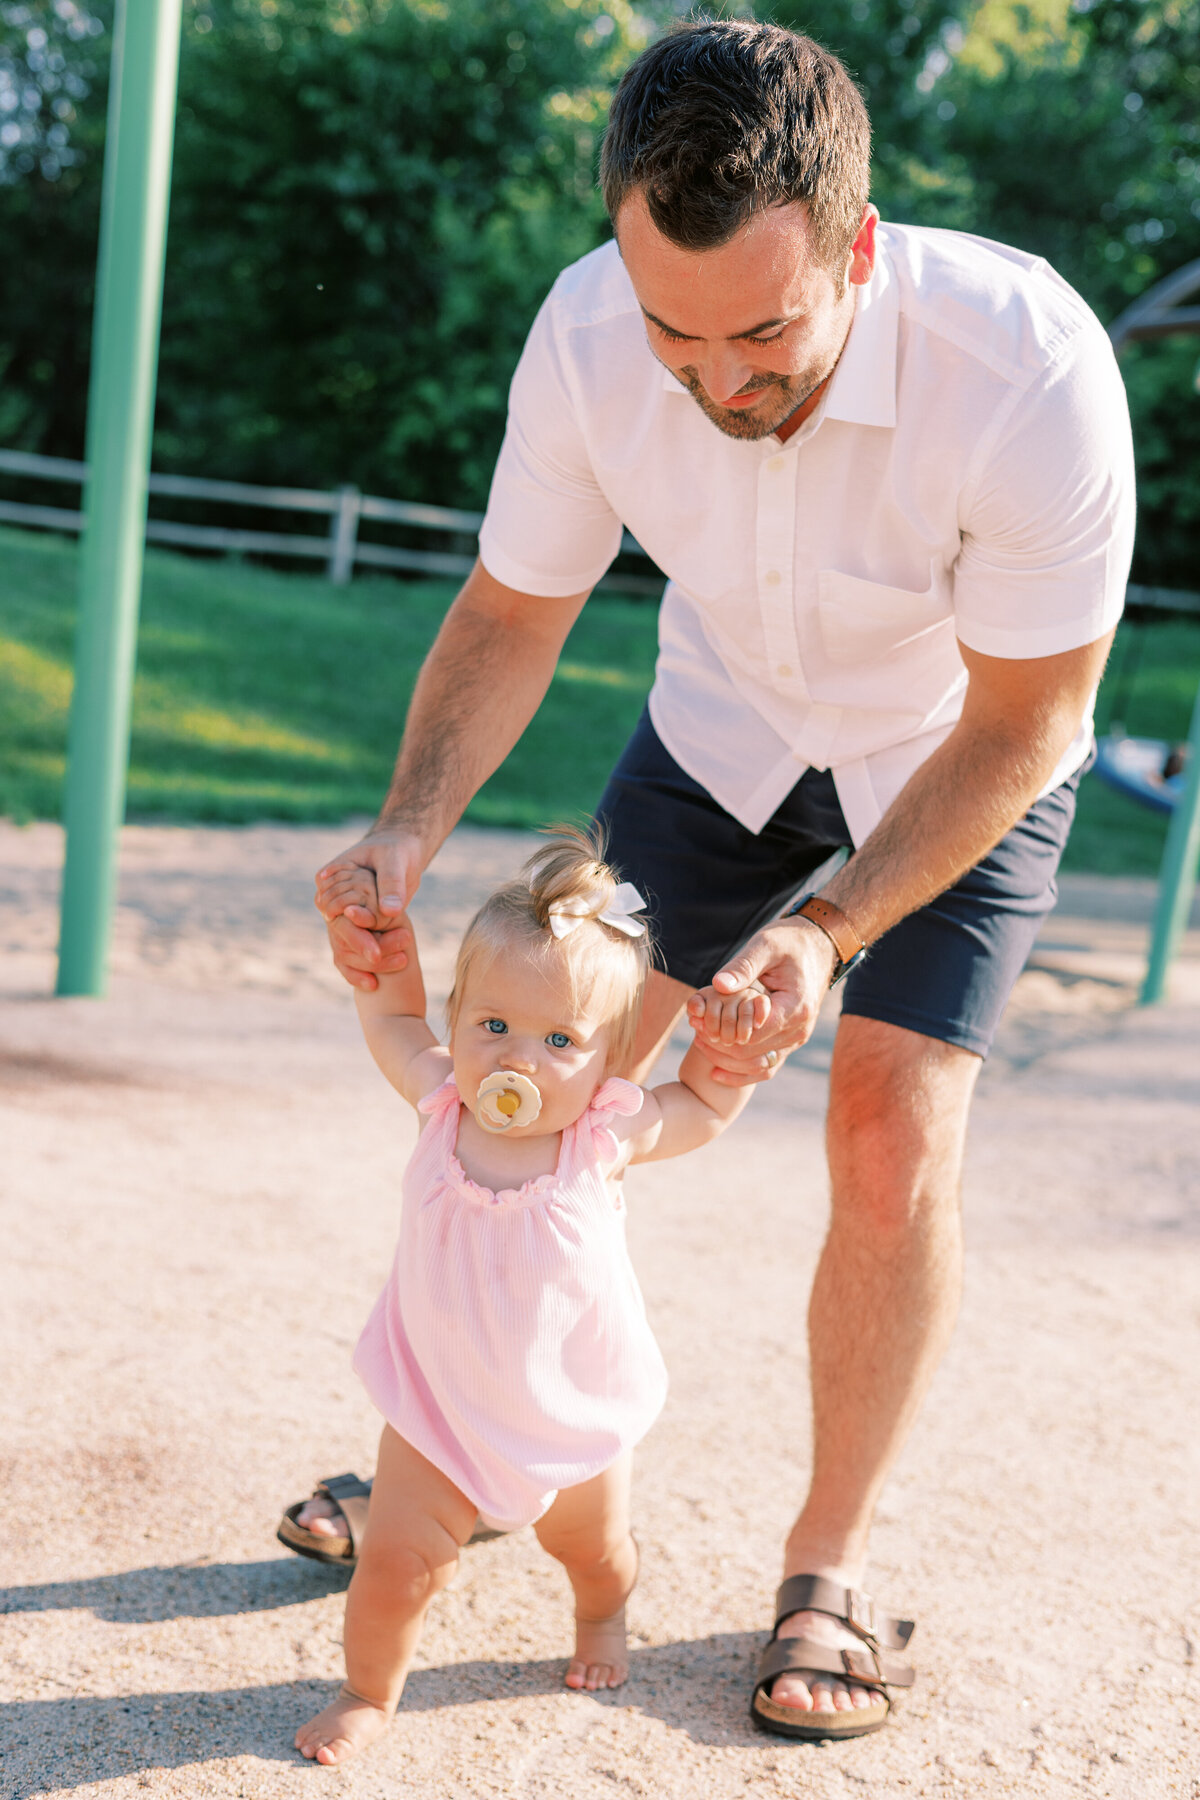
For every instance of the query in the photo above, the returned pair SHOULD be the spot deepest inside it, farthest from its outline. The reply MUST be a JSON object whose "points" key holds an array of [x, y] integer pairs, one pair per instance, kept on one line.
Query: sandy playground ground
{"points": [[199, 1178]]}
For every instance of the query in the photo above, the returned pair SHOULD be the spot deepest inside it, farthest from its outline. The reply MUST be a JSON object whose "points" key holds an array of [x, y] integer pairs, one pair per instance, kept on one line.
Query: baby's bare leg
{"points": [[417, 1523], [587, 1531]]}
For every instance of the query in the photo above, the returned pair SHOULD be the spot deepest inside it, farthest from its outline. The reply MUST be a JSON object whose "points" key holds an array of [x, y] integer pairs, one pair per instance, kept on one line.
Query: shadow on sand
{"points": [[57, 1746], [197, 1590]]}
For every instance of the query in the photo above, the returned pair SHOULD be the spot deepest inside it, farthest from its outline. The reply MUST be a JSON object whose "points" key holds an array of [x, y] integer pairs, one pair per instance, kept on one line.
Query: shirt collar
{"points": [[863, 388]]}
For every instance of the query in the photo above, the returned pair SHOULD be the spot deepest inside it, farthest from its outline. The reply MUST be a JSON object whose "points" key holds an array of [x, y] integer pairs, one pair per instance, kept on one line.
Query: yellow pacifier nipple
{"points": [[506, 1099]]}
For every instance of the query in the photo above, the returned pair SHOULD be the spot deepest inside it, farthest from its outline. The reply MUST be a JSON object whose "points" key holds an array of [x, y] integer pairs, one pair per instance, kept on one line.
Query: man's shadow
{"points": [[700, 1687]]}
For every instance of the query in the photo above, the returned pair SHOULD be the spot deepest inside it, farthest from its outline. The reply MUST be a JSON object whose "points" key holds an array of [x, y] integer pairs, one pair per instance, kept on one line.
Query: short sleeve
{"points": [[1047, 525], [440, 1099], [548, 530], [615, 1096]]}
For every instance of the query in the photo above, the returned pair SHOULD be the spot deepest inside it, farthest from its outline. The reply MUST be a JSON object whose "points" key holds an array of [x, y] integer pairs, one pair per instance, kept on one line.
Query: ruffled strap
{"points": [[613, 1097], [618, 1096], [439, 1101]]}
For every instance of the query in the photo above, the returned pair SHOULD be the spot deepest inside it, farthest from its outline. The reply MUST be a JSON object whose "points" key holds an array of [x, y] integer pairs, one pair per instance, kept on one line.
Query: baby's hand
{"points": [[356, 894], [729, 1018]]}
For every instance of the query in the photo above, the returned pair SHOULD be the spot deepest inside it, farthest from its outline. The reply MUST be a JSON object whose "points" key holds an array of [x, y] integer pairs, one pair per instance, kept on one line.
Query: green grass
{"points": [[262, 695]]}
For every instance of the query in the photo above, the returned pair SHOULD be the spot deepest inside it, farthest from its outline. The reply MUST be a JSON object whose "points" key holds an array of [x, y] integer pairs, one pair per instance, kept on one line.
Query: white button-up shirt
{"points": [[968, 476]]}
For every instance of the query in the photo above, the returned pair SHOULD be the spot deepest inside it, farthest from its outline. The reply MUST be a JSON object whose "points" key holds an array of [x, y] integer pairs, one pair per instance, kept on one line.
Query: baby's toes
{"points": [[577, 1672], [334, 1751]]}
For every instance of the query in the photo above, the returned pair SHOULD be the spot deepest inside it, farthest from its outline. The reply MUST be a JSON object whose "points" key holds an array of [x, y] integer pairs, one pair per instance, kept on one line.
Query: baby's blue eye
{"points": [[558, 1040], [495, 1025]]}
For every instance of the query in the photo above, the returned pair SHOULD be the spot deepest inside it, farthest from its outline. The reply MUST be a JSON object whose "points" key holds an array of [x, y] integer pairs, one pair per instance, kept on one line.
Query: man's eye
{"points": [[496, 1026], [558, 1040]]}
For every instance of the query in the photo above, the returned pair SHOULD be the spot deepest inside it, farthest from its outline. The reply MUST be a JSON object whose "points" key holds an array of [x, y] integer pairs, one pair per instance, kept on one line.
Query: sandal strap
{"points": [[814, 1593], [352, 1496], [860, 1663], [344, 1487]]}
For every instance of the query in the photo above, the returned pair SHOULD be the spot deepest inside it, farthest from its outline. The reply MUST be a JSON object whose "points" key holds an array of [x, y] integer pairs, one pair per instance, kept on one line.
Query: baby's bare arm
{"points": [[681, 1115], [392, 1016]]}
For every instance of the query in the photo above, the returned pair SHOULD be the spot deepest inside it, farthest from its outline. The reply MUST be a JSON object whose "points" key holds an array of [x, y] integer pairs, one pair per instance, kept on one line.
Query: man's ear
{"points": [[862, 250]]}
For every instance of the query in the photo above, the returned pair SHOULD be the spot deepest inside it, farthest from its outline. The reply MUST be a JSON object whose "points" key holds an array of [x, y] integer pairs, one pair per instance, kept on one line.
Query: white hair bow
{"points": [[567, 915]]}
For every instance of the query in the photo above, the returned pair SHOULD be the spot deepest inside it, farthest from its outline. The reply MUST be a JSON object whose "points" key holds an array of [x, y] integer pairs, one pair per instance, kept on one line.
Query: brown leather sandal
{"points": [[871, 1666], [351, 1495]]}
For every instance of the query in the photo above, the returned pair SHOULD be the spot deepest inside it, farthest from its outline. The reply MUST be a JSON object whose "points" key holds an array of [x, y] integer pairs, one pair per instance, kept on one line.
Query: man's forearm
{"points": [[1018, 719], [481, 683], [952, 811]]}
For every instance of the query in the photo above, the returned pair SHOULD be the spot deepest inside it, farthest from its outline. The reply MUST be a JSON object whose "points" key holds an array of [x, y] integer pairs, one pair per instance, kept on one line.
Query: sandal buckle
{"points": [[860, 1612], [861, 1665]]}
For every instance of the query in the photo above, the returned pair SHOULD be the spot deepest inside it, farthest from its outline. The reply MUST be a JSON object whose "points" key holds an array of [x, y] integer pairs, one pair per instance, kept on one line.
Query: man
{"points": [[888, 473]]}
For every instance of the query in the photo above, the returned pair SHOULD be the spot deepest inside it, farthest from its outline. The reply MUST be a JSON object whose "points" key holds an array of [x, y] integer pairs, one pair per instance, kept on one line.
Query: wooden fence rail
{"points": [[341, 548]]}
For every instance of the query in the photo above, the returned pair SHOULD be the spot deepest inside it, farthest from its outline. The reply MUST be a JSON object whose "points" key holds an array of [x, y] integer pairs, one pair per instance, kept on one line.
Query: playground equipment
{"points": [[133, 228], [1128, 763]]}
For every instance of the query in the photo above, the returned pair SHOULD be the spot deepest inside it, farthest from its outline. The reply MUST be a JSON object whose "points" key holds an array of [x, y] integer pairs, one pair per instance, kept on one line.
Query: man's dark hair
{"points": [[722, 119]]}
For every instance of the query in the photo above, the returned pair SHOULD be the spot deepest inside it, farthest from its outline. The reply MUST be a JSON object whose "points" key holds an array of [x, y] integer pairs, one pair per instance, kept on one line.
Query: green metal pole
{"points": [[1177, 882], [133, 229]]}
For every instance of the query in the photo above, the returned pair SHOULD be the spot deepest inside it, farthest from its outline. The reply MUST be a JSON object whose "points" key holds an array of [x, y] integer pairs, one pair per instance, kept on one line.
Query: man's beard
{"points": [[791, 391]]}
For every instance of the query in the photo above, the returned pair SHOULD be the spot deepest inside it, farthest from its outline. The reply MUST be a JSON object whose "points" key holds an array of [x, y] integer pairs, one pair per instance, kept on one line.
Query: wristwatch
{"points": [[837, 928]]}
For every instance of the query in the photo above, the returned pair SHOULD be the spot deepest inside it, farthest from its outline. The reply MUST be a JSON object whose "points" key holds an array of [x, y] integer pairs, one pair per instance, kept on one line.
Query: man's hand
{"points": [[791, 964], [362, 895]]}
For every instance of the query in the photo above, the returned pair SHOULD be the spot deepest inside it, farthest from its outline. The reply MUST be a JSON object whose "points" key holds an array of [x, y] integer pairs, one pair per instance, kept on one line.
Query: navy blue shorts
{"points": [[945, 971]]}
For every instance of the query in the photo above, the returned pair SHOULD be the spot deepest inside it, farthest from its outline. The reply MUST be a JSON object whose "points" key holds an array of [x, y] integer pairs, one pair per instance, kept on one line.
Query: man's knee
{"points": [[897, 1118]]}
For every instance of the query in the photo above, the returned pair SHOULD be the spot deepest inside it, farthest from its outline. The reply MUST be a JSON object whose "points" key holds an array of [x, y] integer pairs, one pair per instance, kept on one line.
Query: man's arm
{"points": [[1018, 718], [480, 685]]}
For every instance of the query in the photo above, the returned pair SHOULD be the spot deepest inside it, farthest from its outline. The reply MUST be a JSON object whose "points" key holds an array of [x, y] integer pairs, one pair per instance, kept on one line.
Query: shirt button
{"points": [[775, 464], [784, 669], [773, 578]]}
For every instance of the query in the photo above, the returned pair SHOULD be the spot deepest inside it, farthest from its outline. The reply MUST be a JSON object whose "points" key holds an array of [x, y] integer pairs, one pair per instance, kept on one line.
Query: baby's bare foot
{"points": [[343, 1729], [601, 1658]]}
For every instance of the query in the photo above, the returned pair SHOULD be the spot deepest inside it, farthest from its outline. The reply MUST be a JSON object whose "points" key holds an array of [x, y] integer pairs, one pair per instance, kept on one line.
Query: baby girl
{"points": [[509, 1352]]}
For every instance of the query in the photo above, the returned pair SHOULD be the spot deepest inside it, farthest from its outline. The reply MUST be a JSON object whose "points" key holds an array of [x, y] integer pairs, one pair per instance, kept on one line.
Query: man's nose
{"points": [[724, 373]]}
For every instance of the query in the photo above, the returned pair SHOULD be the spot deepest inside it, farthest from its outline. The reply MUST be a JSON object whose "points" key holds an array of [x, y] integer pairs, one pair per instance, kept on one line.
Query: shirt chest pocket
{"points": [[862, 621]]}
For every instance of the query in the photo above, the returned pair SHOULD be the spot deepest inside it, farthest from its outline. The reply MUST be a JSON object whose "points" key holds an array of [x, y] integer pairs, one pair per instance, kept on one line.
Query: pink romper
{"points": [[510, 1345]]}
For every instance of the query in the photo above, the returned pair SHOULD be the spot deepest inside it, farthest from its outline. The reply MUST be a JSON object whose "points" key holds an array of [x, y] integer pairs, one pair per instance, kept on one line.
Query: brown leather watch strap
{"points": [[834, 923]]}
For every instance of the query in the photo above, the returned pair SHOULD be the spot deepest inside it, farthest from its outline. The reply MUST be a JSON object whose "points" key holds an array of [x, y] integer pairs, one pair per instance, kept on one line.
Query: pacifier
{"points": [[506, 1099]]}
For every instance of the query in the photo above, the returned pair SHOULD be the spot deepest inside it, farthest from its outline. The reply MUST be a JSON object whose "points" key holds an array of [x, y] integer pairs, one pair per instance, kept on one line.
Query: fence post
{"points": [[343, 535]]}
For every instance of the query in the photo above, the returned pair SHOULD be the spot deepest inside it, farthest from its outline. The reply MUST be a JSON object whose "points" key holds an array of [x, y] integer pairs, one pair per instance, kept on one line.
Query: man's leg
{"points": [[884, 1298], [662, 1003]]}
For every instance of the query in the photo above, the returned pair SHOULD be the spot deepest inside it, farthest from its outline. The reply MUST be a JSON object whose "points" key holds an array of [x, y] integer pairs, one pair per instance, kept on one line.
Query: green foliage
{"points": [[368, 205], [53, 93], [262, 695], [372, 196]]}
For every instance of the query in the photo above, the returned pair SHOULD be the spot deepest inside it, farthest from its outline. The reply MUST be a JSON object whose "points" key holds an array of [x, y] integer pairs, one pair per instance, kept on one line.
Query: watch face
{"points": [[843, 968]]}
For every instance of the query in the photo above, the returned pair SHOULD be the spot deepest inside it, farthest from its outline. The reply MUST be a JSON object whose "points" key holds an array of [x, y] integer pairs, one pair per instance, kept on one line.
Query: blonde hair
{"points": [[601, 964]]}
